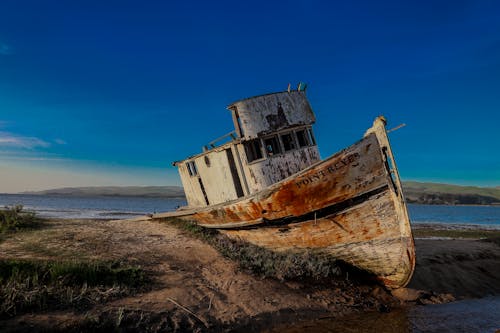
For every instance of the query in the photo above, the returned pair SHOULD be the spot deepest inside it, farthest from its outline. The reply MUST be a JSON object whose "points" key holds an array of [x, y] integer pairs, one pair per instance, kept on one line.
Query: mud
{"points": [[195, 288]]}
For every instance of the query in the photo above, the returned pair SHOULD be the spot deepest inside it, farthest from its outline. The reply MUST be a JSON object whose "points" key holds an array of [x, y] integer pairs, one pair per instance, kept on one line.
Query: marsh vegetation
{"points": [[32, 284], [15, 218], [284, 266]]}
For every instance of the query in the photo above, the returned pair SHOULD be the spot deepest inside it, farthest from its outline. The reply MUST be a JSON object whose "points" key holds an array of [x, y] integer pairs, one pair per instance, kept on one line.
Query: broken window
{"points": [[272, 145], [253, 149], [191, 167], [288, 141], [311, 136], [302, 138]]}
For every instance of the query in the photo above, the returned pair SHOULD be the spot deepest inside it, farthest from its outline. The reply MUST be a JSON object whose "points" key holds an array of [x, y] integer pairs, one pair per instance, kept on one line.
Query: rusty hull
{"points": [[367, 236], [350, 173], [349, 206]]}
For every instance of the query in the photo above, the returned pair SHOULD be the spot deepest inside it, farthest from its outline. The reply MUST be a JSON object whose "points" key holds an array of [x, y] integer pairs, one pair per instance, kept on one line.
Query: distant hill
{"points": [[446, 194], [415, 192], [126, 191]]}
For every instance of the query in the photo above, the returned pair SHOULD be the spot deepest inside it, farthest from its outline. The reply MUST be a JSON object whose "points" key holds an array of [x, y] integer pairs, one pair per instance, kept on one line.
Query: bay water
{"points": [[110, 207], [487, 217], [91, 207]]}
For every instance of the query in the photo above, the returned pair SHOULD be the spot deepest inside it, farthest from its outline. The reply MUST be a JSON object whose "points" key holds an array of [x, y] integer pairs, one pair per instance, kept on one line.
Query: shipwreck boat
{"points": [[267, 185]]}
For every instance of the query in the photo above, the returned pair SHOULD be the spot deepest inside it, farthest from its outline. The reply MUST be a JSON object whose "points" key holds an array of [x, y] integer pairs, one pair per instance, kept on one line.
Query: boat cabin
{"points": [[272, 140]]}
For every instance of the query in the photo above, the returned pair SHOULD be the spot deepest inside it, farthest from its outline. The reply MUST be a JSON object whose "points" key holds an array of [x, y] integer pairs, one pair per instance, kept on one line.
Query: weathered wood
{"points": [[273, 116], [367, 235], [272, 112], [349, 206], [354, 171]]}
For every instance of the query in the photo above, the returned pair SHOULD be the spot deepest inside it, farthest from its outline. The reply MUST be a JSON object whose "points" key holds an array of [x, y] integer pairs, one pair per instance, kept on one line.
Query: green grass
{"points": [[446, 194], [14, 219], [27, 285], [451, 189], [452, 233], [70, 272]]}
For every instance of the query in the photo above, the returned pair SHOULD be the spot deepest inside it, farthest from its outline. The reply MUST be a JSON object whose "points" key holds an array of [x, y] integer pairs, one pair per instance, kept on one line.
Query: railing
{"points": [[213, 143]]}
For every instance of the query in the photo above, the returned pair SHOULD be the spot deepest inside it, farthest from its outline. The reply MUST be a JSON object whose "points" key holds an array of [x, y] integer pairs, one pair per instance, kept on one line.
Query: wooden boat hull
{"points": [[367, 236], [349, 206]]}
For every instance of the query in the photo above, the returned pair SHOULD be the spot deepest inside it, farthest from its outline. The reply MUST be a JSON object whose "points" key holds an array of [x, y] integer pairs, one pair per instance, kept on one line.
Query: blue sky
{"points": [[111, 92]]}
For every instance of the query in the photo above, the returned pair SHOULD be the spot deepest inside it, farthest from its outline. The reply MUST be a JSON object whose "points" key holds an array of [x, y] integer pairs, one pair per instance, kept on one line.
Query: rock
{"points": [[443, 298], [407, 294], [434, 298]]}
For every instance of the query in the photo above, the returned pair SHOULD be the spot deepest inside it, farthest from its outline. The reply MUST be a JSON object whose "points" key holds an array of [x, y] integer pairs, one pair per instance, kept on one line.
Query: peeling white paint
{"points": [[254, 118], [273, 112]]}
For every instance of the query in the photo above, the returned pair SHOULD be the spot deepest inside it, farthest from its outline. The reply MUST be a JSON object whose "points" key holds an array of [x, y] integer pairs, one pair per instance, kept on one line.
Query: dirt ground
{"points": [[463, 267], [195, 288]]}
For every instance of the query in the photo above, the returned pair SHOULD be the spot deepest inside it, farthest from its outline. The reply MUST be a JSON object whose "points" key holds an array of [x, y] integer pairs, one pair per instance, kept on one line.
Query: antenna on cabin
{"points": [[302, 86], [396, 128]]}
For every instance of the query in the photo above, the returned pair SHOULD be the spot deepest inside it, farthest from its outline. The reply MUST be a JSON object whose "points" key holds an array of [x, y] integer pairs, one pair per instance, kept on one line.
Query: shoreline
{"points": [[456, 226], [454, 231], [460, 259], [454, 205], [190, 274]]}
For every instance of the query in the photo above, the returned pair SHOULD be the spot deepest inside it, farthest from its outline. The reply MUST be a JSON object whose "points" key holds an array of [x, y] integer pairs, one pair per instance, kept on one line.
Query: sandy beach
{"points": [[195, 288]]}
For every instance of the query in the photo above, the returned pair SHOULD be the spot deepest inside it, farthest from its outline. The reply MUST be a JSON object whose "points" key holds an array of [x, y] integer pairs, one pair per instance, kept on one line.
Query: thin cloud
{"points": [[5, 49], [60, 142], [8, 155], [34, 158], [24, 142]]}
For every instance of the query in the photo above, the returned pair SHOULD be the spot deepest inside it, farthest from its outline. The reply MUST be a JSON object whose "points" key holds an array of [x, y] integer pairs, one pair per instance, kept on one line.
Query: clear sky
{"points": [[111, 92]]}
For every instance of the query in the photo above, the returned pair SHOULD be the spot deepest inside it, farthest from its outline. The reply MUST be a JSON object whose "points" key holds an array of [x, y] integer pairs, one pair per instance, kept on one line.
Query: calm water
{"points": [[486, 216], [123, 207], [90, 207]]}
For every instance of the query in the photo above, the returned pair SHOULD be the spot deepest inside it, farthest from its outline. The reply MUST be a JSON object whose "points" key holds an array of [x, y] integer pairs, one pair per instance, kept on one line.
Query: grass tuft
{"points": [[14, 218], [425, 231], [37, 285]]}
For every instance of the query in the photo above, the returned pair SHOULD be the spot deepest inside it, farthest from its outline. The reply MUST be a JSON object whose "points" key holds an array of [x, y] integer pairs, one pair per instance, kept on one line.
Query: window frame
{"points": [[305, 137], [251, 150], [293, 141], [277, 145], [312, 139], [191, 168]]}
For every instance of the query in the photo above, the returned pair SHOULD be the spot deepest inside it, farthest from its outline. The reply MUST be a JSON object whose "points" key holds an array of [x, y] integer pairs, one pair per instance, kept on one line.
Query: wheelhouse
{"points": [[272, 140]]}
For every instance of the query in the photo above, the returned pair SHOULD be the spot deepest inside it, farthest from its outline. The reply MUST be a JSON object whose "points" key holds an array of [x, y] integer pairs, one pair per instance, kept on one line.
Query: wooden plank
{"points": [[367, 235], [354, 171]]}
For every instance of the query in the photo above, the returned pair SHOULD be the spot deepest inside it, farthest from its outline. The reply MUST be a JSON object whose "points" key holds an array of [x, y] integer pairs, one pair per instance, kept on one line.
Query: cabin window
{"points": [[272, 146], [191, 167], [302, 138], [207, 161], [288, 141], [254, 150], [311, 136]]}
